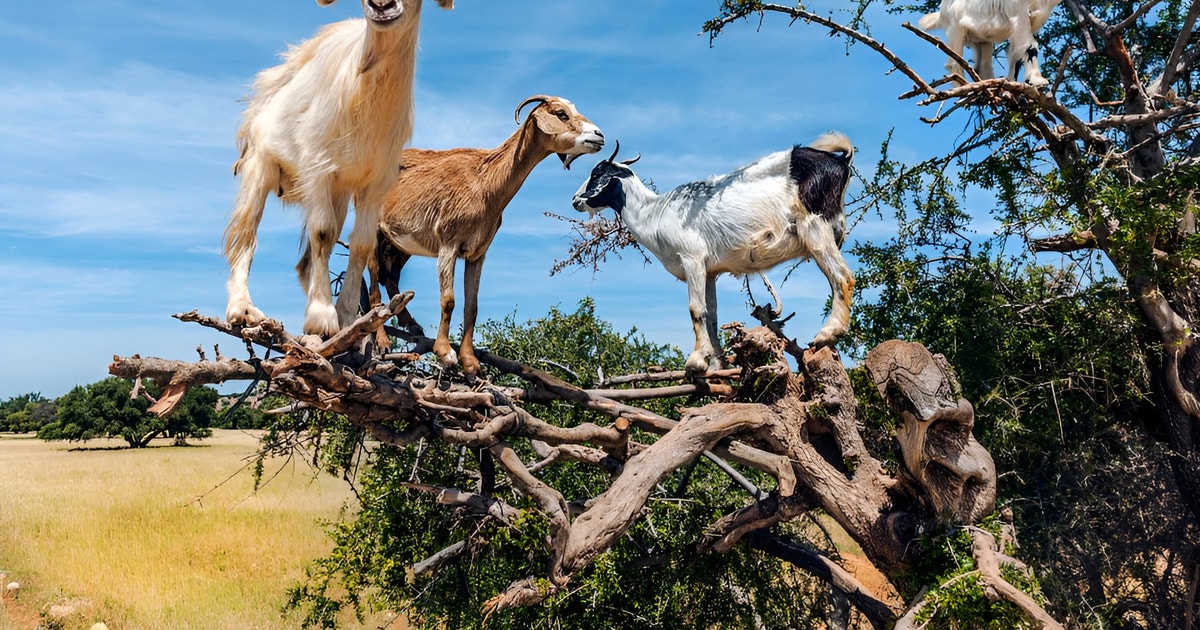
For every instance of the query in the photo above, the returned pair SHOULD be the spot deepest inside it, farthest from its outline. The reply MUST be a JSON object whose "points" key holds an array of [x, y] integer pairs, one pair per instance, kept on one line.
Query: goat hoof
{"points": [[824, 338], [320, 320], [247, 315], [697, 365], [470, 365], [448, 358]]}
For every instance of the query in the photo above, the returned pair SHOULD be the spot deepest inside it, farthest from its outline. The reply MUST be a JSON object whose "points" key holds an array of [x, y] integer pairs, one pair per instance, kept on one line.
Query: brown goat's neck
{"points": [[506, 167]]}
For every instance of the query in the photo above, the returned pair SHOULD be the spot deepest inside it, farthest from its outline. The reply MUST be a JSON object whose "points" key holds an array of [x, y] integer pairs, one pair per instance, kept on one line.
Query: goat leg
{"points": [[367, 209], [466, 350], [698, 306], [841, 282], [445, 270], [241, 238], [716, 360], [323, 228]]}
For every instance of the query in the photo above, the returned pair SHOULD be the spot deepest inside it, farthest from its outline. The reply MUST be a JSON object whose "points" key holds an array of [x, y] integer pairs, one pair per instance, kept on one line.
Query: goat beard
{"points": [[567, 159]]}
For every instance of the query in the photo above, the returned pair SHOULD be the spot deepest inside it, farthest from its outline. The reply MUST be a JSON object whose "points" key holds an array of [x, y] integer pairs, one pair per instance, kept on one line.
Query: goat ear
{"points": [[548, 123]]}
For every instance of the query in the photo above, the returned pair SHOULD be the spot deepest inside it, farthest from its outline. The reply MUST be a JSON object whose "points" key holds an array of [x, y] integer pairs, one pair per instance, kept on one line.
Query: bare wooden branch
{"points": [[876, 610], [164, 371], [948, 51], [474, 502], [983, 548], [799, 13], [1118, 120], [703, 388], [434, 562], [665, 375], [1070, 242], [611, 514], [801, 429], [1134, 16], [364, 325]]}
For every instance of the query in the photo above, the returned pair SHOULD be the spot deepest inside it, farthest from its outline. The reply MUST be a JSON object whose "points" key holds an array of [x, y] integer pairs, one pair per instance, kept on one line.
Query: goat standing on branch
{"points": [[449, 205], [985, 23], [323, 128], [784, 206]]}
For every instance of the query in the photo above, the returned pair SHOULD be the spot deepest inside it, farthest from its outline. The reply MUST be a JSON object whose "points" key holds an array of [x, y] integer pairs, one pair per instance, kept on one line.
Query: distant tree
{"points": [[26, 413], [243, 416], [105, 409], [242, 412]]}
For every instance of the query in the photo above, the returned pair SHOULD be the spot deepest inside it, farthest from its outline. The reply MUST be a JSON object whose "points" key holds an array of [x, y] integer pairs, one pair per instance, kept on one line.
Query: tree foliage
{"points": [[26, 413], [105, 409]]}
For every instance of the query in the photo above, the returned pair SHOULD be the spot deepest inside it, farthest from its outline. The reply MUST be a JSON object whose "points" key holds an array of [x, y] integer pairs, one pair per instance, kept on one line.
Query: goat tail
{"points": [[835, 142], [930, 21]]}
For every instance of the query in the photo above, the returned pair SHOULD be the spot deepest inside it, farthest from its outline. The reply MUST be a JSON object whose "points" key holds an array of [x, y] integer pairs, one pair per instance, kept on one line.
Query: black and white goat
{"points": [[785, 206], [985, 23]]}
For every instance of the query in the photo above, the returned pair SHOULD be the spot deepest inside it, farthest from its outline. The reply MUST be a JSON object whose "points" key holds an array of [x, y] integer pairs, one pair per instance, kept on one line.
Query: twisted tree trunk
{"points": [[802, 428]]}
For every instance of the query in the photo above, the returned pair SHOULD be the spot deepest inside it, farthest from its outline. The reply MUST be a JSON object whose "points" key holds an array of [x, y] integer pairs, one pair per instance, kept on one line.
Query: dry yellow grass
{"points": [[150, 539]]}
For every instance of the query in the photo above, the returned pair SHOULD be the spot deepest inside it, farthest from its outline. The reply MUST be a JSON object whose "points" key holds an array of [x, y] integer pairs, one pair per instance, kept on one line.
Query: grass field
{"points": [[158, 538]]}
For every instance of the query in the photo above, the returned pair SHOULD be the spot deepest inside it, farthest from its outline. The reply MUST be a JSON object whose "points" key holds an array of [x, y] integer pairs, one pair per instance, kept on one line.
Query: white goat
{"points": [[449, 204], [985, 23], [784, 206], [324, 127]]}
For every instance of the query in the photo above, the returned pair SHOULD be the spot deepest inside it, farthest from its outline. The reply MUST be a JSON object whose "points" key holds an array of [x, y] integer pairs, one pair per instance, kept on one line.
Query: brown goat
{"points": [[449, 205]]}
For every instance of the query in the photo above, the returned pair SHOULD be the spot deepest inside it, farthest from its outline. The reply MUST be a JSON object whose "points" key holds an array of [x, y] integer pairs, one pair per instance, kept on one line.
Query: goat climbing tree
{"points": [[799, 428], [792, 441]]}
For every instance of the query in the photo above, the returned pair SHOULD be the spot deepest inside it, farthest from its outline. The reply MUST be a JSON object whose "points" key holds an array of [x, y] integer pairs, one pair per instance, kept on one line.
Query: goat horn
{"points": [[635, 158], [615, 149], [540, 98], [778, 312]]}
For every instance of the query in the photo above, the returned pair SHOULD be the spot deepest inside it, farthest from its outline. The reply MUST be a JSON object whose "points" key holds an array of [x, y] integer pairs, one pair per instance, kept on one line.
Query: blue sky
{"points": [[117, 120]]}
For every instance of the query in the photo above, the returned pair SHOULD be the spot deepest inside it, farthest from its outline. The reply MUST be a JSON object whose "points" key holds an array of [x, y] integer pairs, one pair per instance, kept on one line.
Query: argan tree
{"points": [[113, 408], [537, 496], [530, 482]]}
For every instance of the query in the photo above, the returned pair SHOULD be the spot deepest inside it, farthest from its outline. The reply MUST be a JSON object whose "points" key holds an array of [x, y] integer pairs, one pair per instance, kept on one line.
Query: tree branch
{"points": [[983, 548], [1065, 243], [875, 610], [799, 13]]}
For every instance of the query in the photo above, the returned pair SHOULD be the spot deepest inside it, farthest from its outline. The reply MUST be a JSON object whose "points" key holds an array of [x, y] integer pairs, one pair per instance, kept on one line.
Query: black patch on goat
{"points": [[390, 261], [604, 188], [821, 177], [1031, 54], [694, 196]]}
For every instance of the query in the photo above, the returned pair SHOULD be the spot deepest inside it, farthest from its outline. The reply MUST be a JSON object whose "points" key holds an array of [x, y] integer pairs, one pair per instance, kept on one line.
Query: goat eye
{"points": [[562, 115]]}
